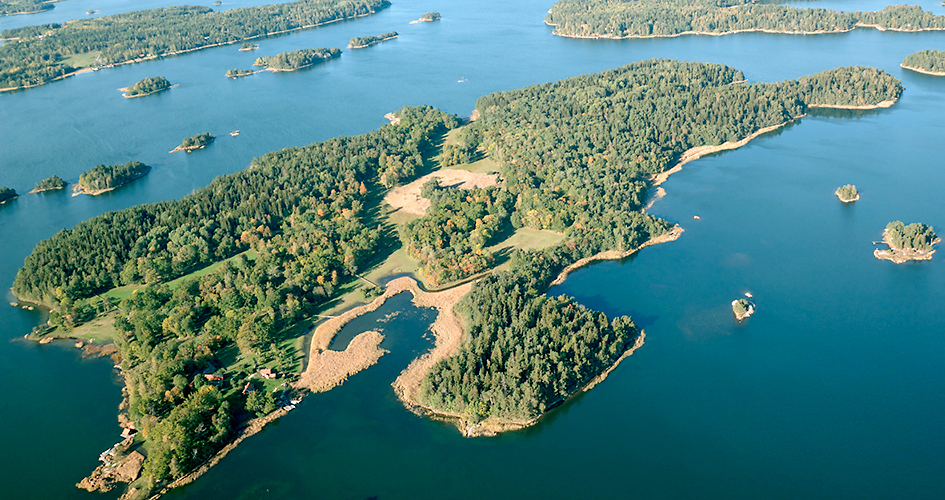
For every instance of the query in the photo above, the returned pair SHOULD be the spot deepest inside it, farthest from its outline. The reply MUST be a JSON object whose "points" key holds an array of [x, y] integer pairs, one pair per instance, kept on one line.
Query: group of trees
{"points": [[197, 141], [915, 236], [628, 18], [11, 7], [360, 42], [847, 193], [296, 59], [238, 73], [148, 85], [430, 16], [932, 61], [102, 177], [451, 239], [41, 53], [7, 194], [50, 183]]}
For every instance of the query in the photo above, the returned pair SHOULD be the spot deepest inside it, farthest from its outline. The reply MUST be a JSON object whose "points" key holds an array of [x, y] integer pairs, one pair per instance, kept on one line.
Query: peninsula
{"points": [[669, 18], [930, 62], [247, 263], [147, 86], [7, 194], [104, 178], [912, 242], [429, 17], [194, 142], [51, 183], [361, 42], [56, 50], [297, 59], [847, 193]]}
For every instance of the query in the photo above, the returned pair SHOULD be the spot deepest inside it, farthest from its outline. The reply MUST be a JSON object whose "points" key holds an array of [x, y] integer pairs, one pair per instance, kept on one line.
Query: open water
{"points": [[832, 390]]}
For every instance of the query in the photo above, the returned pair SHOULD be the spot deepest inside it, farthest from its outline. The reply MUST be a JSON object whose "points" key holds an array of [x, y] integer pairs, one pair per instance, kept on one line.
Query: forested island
{"points": [[742, 309], [659, 18], [248, 46], [240, 73], [297, 59], [51, 183], [195, 142], [360, 42], [7, 194], [104, 178], [930, 62], [146, 86], [429, 17], [40, 54], [847, 193], [13, 7], [289, 234], [913, 242]]}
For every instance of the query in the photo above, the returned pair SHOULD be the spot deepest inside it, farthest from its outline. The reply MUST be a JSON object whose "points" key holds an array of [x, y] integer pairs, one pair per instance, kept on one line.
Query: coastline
{"points": [[923, 71], [879, 105], [179, 52], [35, 191], [555, 32]]}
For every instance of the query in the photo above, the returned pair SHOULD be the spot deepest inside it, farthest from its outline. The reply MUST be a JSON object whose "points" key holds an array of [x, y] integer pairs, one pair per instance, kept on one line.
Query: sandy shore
{"points": [[879, 105], [408, 199], [923, 71]]}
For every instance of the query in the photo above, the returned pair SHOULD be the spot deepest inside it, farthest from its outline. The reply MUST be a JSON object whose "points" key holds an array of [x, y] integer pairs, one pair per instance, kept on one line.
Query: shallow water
{"points": [[832, 390]]}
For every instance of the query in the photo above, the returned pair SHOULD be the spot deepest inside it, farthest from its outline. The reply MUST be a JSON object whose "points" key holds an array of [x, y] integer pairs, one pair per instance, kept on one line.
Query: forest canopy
{"points": [[50, 183], [297, 59], [360, 42], [644, 18], [40, 54], [148, 86], [929, 61], [7, 194], [105, 177]]}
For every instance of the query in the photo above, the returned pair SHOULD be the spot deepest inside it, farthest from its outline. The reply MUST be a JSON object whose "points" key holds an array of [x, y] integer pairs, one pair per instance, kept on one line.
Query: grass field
{"points": [[82, 60]]}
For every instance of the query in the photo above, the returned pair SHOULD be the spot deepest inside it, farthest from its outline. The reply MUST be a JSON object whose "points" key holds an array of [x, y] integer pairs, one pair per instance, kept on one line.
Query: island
{"points": [[91, 11], [104, 178], [57, 51], [240, 73], [147, 86], [14, 7], [297, 59], [7, 194], [217, 2], [847, 193], [429, 17], [912, 242], [205, 292], [194, 142], [742, 309], [667, 18], [248, 46], [51, 183], [930, 62], [361, 42]]}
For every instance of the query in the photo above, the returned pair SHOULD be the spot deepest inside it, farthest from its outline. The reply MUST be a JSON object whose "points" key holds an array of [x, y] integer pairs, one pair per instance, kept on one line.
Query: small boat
{"points": [[748, 294], [295, 401], [461, 80], [234, 133], [288, 407]]}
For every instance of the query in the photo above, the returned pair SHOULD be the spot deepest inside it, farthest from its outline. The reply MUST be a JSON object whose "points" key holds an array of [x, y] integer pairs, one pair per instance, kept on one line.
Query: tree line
{"points": [[360, 42], [40, 54], [915, 236], [103, 177], [297, 59], [927, 60], [623, 18], [148, 85]]}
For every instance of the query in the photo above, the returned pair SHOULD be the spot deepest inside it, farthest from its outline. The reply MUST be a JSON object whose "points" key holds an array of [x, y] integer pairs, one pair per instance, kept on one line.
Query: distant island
{"points": [[7, 194], [360, 42], [195, 142], [429, 17], [667, 18], [742, 309], [104, 178], [51, 183], [147, 86], [240, 73], [248, 46], [150, 34], [930, 62], [91, 11], [847, 193], [912, 242], [297, 59], [14, 7]]}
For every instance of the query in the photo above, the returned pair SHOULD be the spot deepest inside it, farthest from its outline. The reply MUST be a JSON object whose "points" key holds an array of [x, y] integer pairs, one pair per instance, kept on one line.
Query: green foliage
{"points": [[430, 16], [237, 73], [847, 192], [7, 194], [111, 176], [306, 202], [450, 240], [629, 18], [197, 141], [249, 46], [360, 42], [740, 307], [9, 8], [297, 59], [50, 183], [147, 86], [41, 52], [454, 154], [260, 402], [926, 60], [915, 236]]}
